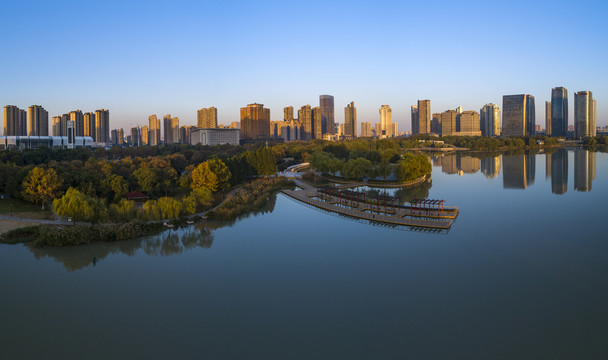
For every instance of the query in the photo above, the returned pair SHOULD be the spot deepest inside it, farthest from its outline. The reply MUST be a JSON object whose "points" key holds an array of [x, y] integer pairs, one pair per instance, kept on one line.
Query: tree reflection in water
{"points": [[167, 243]]}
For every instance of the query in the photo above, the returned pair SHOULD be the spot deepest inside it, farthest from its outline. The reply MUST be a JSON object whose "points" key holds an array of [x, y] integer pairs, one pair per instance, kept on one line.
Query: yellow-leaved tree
{"points": [[74, 204], [203, 176], [41, 186]]}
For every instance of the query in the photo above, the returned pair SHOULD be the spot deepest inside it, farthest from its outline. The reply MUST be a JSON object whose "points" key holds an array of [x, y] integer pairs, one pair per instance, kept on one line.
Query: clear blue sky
{"points": [[150, 57]]}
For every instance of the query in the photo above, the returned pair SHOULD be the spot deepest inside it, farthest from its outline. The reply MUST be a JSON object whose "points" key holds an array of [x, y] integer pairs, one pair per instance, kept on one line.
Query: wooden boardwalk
{"points": [[390, 215]]}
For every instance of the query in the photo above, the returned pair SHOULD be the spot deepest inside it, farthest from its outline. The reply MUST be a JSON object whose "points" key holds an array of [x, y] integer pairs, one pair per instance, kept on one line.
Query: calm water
{"points": [[523, 273]]}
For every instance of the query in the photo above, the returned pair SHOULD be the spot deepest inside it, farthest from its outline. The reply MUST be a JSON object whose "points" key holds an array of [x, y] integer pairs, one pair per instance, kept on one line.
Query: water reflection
{"points": [[559, 171], [167, 243], [457, 163], [584, 169], [490, 166]]}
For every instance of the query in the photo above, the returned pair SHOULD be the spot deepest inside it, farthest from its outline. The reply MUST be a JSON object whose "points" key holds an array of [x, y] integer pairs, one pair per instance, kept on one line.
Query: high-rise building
{"points": [[255, 122], [38, 121], [288, 114], [89, 125], [584, 169], [206, 118], [559, 171], [448, 123], [415, 122], [114, 137], [171, 129], [305, 119], [518, 115], [366, 129], [423, 118], [15, 121], [468, 123], [436, 123], [547, 117], [78, 118], [350, 120], [317, 123], [121, 136], [153, 131], [386, 122], [144, 134], [63, 125], [395, 130], [559, 112], [327, 114], [584, 115], [135, 137], [490, 120], [56, 126], [102, 126]]}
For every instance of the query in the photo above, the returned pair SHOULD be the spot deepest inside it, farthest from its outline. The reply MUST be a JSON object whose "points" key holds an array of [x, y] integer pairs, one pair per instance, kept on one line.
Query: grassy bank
{"points": [[250, 197], [51, 235]]}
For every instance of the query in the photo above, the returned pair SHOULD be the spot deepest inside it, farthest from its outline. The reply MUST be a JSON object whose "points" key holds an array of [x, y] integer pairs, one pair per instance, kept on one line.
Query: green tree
{"points": [[357, 168], [41, 186], [151, 211], [221, 172], [123, 211], [74, 204], [263, 161], [118, 186], [203, 177]]}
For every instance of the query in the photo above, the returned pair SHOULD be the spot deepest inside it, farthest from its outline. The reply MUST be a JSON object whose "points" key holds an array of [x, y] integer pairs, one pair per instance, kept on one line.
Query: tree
{"points": [[263, 161], [151, 210], [118, 185], [203, 177], [74, 204], [169, 207], [357, 168], [41, 186], [123, 211], [221, 172]]}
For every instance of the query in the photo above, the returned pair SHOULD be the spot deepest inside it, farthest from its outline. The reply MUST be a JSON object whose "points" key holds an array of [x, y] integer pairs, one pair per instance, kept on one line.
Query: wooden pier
{"points": [[388, 214]]}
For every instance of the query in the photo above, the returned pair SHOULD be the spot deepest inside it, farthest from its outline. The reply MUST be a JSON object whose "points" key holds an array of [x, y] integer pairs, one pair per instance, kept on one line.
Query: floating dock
{"points": [[375, 212]]}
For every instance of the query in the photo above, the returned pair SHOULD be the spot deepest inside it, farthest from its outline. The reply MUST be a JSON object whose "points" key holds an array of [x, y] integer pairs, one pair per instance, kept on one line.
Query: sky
{"points": [[138, 58]]}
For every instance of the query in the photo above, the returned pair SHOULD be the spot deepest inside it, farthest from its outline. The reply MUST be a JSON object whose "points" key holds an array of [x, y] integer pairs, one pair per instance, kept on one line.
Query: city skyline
{"points": [[134, 80]]}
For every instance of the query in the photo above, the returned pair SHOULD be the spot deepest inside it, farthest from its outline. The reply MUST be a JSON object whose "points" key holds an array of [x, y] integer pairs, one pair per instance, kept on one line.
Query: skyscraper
{"points": [[490, 120], [327, 114], [415, 122], [518, 115], [89, 125], [386, 122], [436, 123], [38, 121], [167, 129], [584, 115], [102, 126], [547, 117], [559, 112], [366, 129], [317, 123], [305, 118], [448, 123], [15, 121], [206, 118], [153, 131], [424, 117], [288, 113], [56, 126], [135, 137], [144, 134], [255, 121], [350, 120], [78, 118]]}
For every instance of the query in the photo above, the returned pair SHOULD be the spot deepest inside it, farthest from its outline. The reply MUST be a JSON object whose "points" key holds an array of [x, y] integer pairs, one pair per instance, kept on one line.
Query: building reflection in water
{"points": [[457, 164], [584, 169], [559, 171], [518, 171], [490, 167]]}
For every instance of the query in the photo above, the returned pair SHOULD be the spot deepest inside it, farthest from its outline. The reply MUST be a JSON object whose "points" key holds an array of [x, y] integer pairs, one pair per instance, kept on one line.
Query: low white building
{"points": [[215, 136], [34, 142]]}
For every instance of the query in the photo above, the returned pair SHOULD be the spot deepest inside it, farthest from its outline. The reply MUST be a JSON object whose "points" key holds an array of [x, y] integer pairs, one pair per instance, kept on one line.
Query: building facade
{"points": [[326, 103], [386, 122], [215, 136], [89, 125], [15, 121], [350, 121], [78, 118], [305, 119], [255, 122], [37, 121], [489, 117], [153, 131], [559, 112], [518, 115], [547, 117], [206, 118], [317, 123], [288, 114], [102, 126], [584, 115], [366, 129]]}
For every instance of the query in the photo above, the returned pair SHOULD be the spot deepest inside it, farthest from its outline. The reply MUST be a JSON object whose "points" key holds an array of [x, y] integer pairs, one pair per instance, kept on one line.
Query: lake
{"points": [[522, 274]]}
